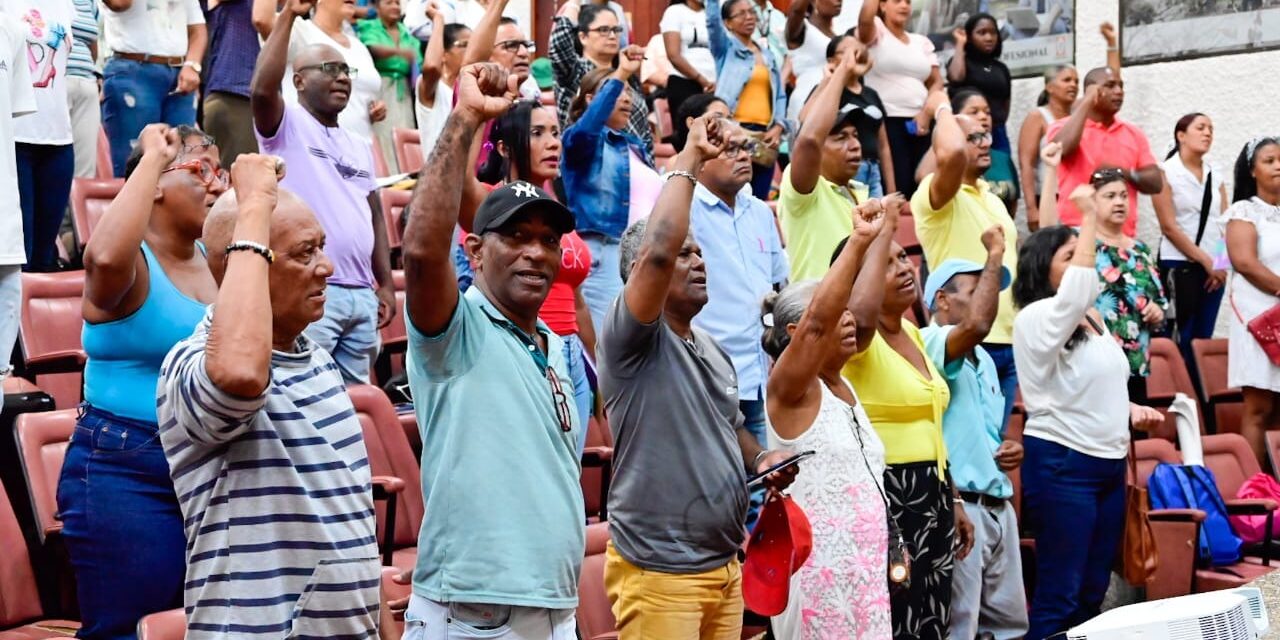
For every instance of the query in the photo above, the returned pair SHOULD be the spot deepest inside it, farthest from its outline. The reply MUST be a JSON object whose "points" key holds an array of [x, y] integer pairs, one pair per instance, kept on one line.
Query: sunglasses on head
{"points": [[1107, 175]]}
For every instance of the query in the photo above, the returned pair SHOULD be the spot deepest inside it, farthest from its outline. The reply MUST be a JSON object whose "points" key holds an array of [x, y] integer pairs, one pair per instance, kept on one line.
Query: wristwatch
{"points": [[195, 66]]}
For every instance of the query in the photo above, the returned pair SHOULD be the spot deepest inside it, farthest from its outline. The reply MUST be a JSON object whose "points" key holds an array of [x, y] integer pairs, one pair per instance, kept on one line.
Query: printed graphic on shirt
{"points": [[345, 168], [43, 42]]}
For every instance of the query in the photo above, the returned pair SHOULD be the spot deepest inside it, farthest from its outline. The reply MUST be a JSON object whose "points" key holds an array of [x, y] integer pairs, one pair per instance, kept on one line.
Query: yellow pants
{"points": [[651, 605]]}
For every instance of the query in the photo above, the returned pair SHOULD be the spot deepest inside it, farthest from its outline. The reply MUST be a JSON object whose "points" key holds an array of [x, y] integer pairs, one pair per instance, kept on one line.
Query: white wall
{"points": [[1241, 93]]}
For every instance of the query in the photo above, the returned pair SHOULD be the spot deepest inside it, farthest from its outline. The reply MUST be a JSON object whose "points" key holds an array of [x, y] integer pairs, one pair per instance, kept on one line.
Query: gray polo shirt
{"points": [[679, 495]]}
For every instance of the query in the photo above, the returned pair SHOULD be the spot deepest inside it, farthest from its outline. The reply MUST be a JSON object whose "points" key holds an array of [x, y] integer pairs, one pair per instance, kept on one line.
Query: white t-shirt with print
{"points": [[45, 26], [692, 27], [17, 97], [365, 86], [157, 27]]}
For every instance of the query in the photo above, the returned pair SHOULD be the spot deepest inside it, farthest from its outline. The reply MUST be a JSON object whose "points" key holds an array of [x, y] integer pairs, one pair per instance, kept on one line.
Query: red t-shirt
{"points": [[1120, 145]]}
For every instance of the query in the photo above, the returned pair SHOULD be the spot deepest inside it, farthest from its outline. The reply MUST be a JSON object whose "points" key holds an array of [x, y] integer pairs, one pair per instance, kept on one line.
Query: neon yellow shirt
{"points": [[814, 223]]}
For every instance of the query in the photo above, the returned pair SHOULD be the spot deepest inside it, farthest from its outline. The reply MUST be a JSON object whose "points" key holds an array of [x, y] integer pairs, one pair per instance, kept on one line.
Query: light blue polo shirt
{"points": [[499, 474], [744, 259], [972, 425]]}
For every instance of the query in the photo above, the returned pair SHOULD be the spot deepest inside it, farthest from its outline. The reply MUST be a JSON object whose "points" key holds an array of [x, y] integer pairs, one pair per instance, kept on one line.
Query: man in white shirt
{"points": [[154, 70], [16, 99]]}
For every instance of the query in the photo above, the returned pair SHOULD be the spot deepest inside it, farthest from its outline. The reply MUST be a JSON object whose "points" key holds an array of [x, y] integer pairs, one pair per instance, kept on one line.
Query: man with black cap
{"points": [[986, 587], [499, 555], [815, 205]]}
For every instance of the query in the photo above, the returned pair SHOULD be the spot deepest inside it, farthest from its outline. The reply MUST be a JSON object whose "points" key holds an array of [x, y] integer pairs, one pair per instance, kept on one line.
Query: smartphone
{"points": [[758, 479]]}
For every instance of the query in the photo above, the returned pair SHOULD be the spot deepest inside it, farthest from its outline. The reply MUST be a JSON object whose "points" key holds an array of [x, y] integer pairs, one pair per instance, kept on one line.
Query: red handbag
{"points": [[1265, 329]]}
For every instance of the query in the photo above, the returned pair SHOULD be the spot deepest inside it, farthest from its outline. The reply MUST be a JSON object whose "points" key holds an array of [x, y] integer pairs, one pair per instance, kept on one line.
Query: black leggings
{"points": [[908, 150]]}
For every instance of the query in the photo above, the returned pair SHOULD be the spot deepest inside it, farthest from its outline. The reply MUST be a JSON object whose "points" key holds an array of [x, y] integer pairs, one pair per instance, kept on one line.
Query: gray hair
{"points": [[783, 308], [632, 238]]}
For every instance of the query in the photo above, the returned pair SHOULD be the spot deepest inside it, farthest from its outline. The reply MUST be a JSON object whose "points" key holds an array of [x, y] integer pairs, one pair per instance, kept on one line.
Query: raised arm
{"points": [[868, 288], [580, 140], [717, 35], [263, 16], [1069, 135], [645, 292], [949, 150], [485, 91], [564, 57], [433, 62], [867, 21], [956, 67], [1028, 151], [818, 117], [801, 361], [797, 14], [238, 351], [985, 301], [1050, 155], [1108, 32], [111, 257], [480, 47], [265, 98]]}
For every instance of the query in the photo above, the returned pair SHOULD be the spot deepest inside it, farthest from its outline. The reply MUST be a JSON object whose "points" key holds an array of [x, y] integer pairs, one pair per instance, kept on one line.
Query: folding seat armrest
{"points": [[386, 488], [1176, 515], [1251, 506], [597, 456], [65, 361]]}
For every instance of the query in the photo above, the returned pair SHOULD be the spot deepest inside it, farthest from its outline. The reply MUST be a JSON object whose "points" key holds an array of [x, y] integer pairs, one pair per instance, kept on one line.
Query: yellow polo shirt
{"points": [[955, 231], [905, 407], [814, 223]]}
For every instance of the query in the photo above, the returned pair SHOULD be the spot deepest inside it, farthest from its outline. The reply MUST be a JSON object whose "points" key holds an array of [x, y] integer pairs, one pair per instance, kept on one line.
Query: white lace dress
{"points": [[1247, 363], [841, 592]]}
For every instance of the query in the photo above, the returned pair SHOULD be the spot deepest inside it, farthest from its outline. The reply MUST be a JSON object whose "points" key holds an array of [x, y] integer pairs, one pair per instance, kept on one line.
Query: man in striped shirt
{"points": [[264, 447]]}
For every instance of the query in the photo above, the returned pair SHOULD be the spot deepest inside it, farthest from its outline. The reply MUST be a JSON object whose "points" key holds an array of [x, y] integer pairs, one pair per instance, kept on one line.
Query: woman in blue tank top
{"points": [[146, 288]]}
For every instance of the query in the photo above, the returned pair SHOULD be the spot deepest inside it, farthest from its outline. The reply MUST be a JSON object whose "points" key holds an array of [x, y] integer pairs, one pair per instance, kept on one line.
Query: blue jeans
{"points": [[1007, 370], [604, 282], [1200, 321], [122, 524], [136, 94], [757, 425], [349, 330], [44, 187], [869, 174], [573, 357], [462, 268], [1074, 504]]}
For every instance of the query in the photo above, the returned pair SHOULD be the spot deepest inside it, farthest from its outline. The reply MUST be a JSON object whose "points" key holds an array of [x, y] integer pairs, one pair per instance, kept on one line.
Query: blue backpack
{"points": [[1175, 486]]}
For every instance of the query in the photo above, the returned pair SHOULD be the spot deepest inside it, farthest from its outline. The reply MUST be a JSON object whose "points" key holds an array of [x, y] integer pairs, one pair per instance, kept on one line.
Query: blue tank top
{"points": [[124, 355]]}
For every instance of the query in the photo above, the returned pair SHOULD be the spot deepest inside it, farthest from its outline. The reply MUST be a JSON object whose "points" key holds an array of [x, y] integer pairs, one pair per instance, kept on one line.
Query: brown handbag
{"points": [[1138, 558]]}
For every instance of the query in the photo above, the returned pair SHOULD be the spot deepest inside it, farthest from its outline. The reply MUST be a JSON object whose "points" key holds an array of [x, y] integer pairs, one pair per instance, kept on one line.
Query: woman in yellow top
{"points": [[905, 397]]}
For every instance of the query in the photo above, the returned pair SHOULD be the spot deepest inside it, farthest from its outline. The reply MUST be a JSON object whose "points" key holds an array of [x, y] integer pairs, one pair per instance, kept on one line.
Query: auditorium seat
{"points": [[89, 200], [42, 445], [1168, 377], [395, 337], [597, 469], [393, 203], [1223, 404], [905, 236], [390, 455], [408, 149], [104, 168], [595, 613], [21, 614], [165, 625], [1232, 461], [49, 334]]}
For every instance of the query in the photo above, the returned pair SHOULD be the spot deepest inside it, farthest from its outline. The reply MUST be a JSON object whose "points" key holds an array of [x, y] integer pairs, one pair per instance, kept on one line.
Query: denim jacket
{"points": [[597, 166], [735, 62]]}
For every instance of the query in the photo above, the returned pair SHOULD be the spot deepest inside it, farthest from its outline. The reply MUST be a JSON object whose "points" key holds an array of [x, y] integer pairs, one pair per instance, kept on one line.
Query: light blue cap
{"points": [[949, 269]]}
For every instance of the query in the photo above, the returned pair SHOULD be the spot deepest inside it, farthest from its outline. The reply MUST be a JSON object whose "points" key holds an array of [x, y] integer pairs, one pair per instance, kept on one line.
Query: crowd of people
{"points": [[719, 306]]}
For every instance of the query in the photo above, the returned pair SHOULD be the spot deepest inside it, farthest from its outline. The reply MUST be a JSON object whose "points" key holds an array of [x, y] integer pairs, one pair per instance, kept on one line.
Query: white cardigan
{"points": [[1077, 398]]}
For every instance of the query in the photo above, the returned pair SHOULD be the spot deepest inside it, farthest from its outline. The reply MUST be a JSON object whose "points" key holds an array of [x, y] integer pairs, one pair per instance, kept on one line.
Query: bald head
{"points": [[220, 225], [314, 54], [1097, 76]]}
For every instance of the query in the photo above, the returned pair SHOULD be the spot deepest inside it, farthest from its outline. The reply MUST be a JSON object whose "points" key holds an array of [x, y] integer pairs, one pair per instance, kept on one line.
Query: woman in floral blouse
{"points": [[1132, 301]]}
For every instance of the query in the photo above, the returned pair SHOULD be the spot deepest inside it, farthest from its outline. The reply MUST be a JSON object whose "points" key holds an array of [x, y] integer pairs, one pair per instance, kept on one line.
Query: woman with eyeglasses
{"points": [[146, 288], [525, 146], [688, 47], [1073, 377], [1132, 300], [325, 26], [1253, 244], [594, 28], [749, 80], [609, 181]]}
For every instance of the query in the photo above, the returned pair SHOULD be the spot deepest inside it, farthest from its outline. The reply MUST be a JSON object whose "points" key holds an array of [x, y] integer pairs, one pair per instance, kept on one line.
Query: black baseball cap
{"points": [[848, 114], [509, 200]]}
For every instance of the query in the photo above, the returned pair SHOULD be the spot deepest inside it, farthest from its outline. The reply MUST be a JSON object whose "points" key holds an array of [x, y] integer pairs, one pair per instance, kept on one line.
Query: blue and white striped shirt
{"points": [[276, 499], [84, 31]]}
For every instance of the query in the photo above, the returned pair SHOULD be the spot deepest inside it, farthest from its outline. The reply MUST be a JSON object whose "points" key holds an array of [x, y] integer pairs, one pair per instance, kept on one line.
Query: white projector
{"points": [[1237, 614]]}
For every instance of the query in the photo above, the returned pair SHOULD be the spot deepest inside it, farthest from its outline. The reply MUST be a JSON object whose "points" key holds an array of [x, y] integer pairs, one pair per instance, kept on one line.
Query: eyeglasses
{"points": [[332, 69], [605, 31], [512, 46], [203, 145], [207, 173], [734, 148], [462, 44], [742, 14], [561, 401], [979, 138]]}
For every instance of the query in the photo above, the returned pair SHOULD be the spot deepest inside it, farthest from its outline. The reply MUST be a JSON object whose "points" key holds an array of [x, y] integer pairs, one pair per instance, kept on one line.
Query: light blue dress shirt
{"points": [[972, 426], [745, 260]]}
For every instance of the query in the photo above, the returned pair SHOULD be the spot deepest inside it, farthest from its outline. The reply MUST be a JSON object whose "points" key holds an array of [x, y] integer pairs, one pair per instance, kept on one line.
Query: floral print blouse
{"points": [[1130, 281]]}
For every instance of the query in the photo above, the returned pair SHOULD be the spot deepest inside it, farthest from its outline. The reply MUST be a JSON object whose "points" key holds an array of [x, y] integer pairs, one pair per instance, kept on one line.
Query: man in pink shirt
{"points": [[1094, 138]]}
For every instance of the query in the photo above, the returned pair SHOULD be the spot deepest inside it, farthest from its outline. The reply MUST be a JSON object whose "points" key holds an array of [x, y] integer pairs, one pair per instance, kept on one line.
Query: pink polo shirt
{"points": [[1120, 145]]}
